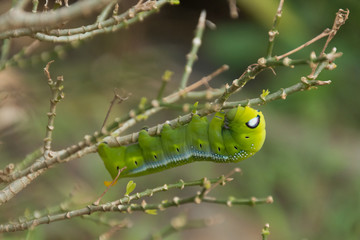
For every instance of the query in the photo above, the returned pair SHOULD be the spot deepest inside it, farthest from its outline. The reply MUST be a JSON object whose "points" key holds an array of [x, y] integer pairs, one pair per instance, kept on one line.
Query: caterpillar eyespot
{"points": [[253, 123], [228, 137]]}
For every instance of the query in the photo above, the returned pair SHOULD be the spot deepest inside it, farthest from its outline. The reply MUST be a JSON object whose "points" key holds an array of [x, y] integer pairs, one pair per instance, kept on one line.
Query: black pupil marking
{"points": [[135, 163], [235, 147], [117, 168], [200, 145], [219, 149], [177, 149], [253, 123], [247, 137], [155, 156]]}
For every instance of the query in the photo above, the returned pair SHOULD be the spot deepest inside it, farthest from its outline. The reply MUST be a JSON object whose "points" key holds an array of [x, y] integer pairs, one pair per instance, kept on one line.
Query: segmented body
{"points": [[229, 137]]}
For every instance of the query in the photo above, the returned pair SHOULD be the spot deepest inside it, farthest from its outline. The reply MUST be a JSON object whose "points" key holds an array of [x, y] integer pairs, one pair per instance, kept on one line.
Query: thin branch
{"points": [[97, 202], [165, 80], [249, 74], [56, 88], [192, 56], [30, 158], [340, 19], [118, 98], [325, 33], [118, 206], [16, 18], [106, 11], [81, 33], [274, 30], [203, 81], [16, 186]]}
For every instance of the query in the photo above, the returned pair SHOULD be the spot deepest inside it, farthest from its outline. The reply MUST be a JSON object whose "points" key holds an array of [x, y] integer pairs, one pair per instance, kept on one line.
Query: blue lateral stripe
{"points": [[183, 158]]}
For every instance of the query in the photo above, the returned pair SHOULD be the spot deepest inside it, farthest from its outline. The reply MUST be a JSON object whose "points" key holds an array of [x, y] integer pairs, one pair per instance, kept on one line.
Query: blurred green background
{"points": [[310, 162]]}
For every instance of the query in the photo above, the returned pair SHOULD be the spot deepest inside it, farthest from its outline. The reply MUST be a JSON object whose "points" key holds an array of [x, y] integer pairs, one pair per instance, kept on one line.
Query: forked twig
{"points": [[120, 100], [97, 202]]}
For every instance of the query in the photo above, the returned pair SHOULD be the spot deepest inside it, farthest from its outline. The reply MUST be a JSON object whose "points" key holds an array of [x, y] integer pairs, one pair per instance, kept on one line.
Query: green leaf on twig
{"points": [[130, 187], [151, 211], [264, 94]]}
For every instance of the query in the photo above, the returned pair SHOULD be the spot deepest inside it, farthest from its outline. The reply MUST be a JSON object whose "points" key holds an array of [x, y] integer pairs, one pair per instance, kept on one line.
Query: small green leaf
{"points": [[142, 103], [141, 117], [130, 187], [264, 94], [175, 2], [151, 211], [195, 107], [167, 75]]}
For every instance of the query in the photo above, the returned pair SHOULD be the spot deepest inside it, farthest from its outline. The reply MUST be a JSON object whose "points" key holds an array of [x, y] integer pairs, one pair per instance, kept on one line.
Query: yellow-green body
{"points": [[229, 137]]}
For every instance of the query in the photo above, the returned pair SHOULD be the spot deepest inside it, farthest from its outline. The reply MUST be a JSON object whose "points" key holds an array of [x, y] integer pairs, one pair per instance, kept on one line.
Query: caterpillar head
{"points": [[247, 127]]}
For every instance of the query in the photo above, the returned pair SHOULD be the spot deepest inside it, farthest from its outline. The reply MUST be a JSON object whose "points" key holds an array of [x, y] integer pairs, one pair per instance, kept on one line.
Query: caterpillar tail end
{"points": [[110, 183]]}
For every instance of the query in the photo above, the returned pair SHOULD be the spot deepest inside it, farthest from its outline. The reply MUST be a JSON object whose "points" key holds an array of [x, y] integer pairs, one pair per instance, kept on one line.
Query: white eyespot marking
{"points": [[254, 122]]}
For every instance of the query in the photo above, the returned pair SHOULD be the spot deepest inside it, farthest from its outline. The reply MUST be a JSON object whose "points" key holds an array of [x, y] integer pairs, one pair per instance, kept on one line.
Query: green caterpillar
{"points": [[229, 137]]}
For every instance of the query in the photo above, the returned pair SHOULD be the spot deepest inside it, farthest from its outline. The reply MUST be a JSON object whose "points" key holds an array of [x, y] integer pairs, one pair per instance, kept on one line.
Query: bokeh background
{"points": [[310, 162]]}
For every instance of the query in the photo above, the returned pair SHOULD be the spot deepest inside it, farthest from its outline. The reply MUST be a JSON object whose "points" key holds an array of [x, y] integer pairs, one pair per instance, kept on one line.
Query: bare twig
{"points": [[17, 18], [118, 98], [192, 56], [325, 33], [165, 79], [101, 26], [274, 30], [97, 202], [118, 206], [203, 81], [340, 19], [56, 88]]}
